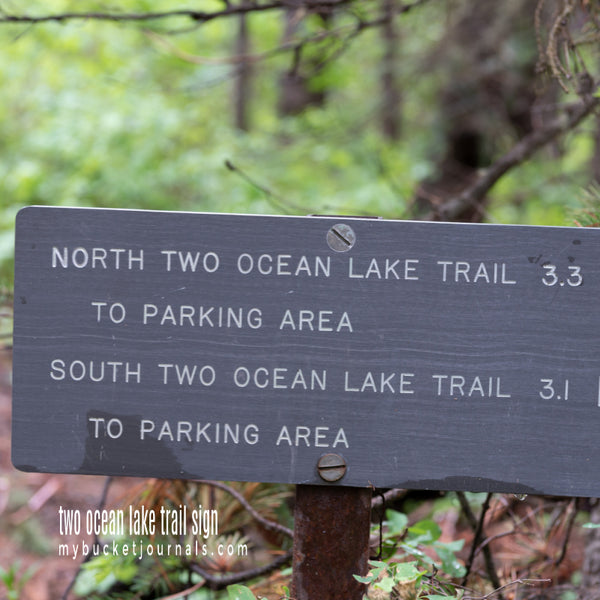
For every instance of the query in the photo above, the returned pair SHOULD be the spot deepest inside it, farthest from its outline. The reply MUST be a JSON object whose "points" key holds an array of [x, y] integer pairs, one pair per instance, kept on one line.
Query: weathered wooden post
{"points": [[331, 542]]}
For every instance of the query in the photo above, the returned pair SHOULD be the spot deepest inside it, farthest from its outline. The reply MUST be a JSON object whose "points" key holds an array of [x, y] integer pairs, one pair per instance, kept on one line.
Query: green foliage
{"points": [[30, 534], [413, 542], [112, 115], [409, 563], [14, 580], [240, 592], [132, 572], [104, 571], [587, 213]]}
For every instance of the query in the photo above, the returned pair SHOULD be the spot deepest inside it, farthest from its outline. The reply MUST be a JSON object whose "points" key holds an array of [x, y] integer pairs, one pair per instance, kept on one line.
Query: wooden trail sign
{"points": [[390, 353]]}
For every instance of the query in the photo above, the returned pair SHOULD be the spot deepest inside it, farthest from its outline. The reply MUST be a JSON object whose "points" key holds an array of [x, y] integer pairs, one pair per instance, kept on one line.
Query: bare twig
{"points": [[4, 493], [41, 496], [514, 531], [466, 508], [194, 15], [538, 33], [266, 523], [88, 557], [507, 585], [271, 196], [518, 154], [570, 522], [477, 526], [560, 23], [215, 582], [388, 496], [184, 593]]}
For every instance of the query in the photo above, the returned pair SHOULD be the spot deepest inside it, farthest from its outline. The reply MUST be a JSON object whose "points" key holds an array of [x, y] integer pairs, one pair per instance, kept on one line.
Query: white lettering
{"points": [[280, 378], [392, 383], [384, 268], [209, 433], [284, 265], [95, 371], [319, 437], [185, 315], [190, 261], [322, 320], [479, 272], [186, 374], [340, 438], [459, 386], [96, 258]]}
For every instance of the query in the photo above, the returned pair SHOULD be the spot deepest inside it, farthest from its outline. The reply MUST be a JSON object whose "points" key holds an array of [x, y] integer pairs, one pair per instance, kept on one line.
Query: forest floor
{"points": [[538, 538], [29, 516], [29, 505]]}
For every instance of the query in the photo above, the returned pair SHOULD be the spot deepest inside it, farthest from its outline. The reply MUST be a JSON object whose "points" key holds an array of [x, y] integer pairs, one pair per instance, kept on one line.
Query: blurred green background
{"points": [[146, 114]]}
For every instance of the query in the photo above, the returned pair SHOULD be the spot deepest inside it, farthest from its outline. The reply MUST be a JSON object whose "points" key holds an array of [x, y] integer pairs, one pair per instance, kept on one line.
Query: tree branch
{"points": [[215, 582], [195, 15], [519, 153], [507, 585], [477, 526], [266, 523], [218, 582], [389, 496]]}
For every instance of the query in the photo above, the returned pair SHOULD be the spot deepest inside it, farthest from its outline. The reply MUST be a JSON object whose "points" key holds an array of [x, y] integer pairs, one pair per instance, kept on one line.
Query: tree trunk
{"points": [[590, 573], [481, 103], [295, 93], [596, 157], [241, 94], [390, 87]]}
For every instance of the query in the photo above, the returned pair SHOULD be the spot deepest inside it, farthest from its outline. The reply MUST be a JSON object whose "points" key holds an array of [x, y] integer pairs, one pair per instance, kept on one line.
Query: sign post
{"points": [[331, 542], [329, 352]]}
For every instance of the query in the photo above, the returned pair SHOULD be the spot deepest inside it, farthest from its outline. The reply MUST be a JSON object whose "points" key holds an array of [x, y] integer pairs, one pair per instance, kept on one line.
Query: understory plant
{"points": [[14, 579], [417, 564]]}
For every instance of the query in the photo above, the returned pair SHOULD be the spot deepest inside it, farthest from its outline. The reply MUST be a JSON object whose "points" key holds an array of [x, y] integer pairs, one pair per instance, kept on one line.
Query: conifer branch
{"points": [[195, 15], [518, 154]]}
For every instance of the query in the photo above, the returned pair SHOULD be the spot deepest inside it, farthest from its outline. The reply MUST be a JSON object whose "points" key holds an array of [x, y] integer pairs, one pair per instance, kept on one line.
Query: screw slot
{"points": [[341, 237], [331, 467]]}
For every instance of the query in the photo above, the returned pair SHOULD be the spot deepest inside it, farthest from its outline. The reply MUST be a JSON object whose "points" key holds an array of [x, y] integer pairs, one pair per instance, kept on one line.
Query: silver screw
{"points": [[341, 237], [331, 467]]}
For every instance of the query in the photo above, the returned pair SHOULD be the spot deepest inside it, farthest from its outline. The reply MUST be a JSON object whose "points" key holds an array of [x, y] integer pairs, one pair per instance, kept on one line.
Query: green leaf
{"points": [[449, 562], [412, 550], [425, 532], [454, 546], [378, 563], [451, 566], [386, 584], [406, 572], [368, 579], [239, 592], [396, 521], [379, 568], [126, 572], [88, 582]]}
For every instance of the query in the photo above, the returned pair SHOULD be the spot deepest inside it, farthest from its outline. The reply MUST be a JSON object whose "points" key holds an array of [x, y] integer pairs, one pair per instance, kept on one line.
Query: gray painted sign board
{"points": [[427, 355]]}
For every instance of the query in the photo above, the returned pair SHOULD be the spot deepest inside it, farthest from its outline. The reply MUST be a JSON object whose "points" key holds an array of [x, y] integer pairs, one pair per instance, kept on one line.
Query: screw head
{"points": [[331, 467], [341, 237]]}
